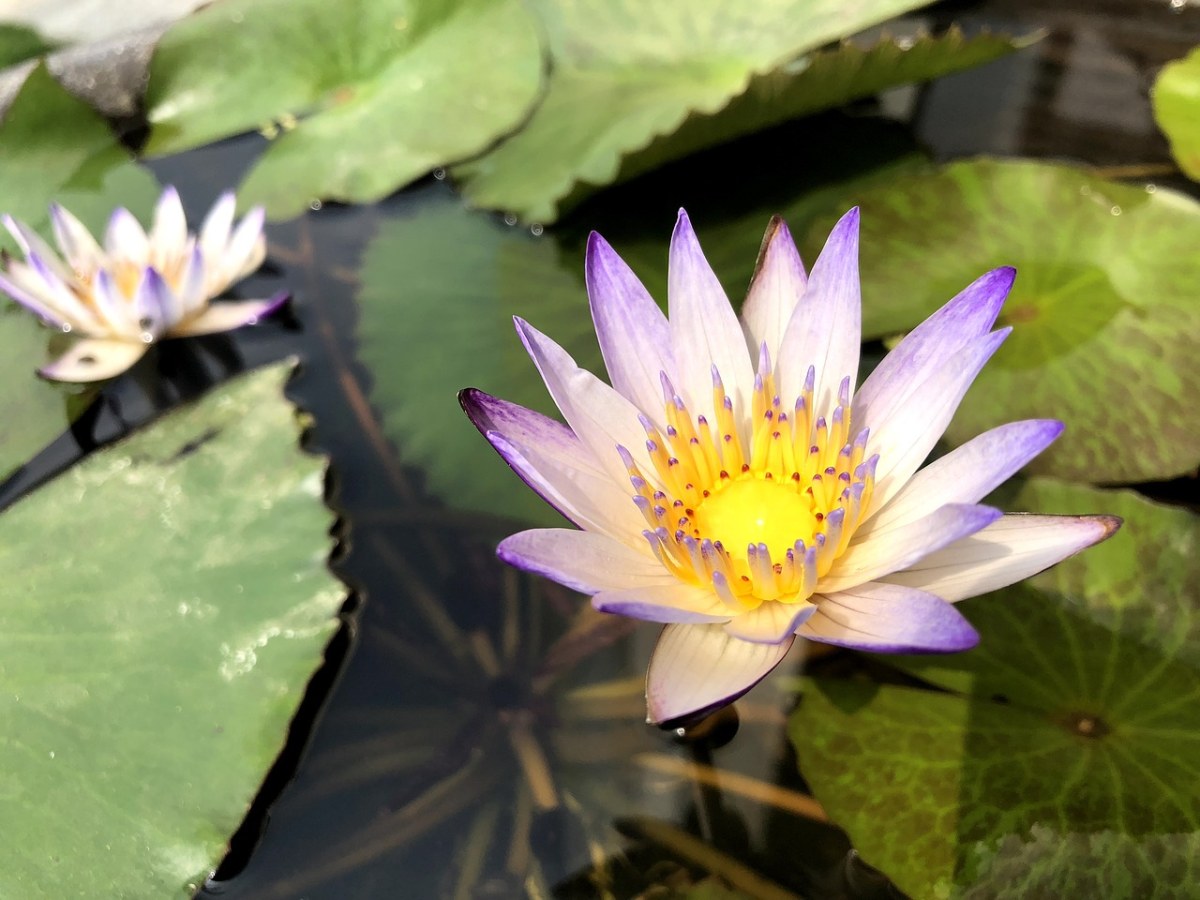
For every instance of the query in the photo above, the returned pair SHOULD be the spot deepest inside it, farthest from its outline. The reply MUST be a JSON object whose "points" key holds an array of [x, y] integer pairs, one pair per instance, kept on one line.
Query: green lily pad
{"points": [[440, 287], [1104, 309], [19, 43], [634, 85], [1060, 757], [54, 147], [364, 98], [1176, 100], [164, 604]]}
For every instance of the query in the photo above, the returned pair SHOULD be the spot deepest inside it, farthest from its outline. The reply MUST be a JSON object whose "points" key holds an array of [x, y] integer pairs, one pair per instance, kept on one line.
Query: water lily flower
{"points": [[734, 485], [139, 287]]}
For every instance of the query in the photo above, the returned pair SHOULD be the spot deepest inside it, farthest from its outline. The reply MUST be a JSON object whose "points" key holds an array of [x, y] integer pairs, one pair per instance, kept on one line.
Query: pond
{"points": [[471, 733]]}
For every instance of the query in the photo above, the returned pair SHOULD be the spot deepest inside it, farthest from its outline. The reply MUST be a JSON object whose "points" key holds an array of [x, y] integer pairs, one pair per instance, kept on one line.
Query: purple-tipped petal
{"points": [[592, 501], [967, 474], [673, 603], [949, 331], [193, 290], [771, 623], [599, 416], [247, 247], [875, 556], [778, 283], [76, 242], [888, 618], [229, 315], [156, 305], [825, 329], [32, 245], [698, 668], [36, 305], [169, 233], [1007, 551], [94, 360], [214, 231], [904, 437], [705, 332], [525, 426], [634, 337], [584, 562], [125, 238]]}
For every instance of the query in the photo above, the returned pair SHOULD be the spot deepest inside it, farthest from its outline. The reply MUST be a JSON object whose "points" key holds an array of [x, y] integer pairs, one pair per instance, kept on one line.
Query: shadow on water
{"points": [[472, 733]]}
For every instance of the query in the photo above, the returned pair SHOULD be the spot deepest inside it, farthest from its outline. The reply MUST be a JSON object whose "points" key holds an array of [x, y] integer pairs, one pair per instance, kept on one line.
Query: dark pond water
{"points": [[455, 744]]}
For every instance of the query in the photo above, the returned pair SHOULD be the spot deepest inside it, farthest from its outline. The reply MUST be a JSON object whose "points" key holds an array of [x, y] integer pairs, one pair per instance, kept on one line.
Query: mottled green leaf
{"points": [[1063, 760], [365, 96], [19, 43], [54, 147], [627, 75], [1176, 100], [164, 603], [1104, 310]]}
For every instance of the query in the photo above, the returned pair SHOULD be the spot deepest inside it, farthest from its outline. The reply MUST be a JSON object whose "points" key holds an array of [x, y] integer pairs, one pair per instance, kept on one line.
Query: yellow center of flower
{"points": [[751, 510], [759, 509]]}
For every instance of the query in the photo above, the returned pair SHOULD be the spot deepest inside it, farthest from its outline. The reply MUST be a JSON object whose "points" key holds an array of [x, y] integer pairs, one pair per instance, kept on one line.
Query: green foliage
{"points": [[366, 96], [1176, 100], [164, 604], [19, 43], [1104, 309], [1061, 760], [634, 85]]}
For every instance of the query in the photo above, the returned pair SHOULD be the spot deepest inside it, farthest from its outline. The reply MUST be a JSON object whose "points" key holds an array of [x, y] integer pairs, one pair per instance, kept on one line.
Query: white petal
{"points": [[967, 474], [868, 559], [585, 562], [83, 253], [888, 618], [778, 283], [770, 623], [125, 239], [214, 231], [168, 234], [671, 602], [227, 315], [1007, 551], [825, 329], [697, 668], [94, 360], [246, 251], [705, 331]]}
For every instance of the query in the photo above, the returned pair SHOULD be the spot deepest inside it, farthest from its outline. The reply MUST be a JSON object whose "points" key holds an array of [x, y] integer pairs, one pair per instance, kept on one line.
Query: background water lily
{"points": [[733, 485], [139, 286]]}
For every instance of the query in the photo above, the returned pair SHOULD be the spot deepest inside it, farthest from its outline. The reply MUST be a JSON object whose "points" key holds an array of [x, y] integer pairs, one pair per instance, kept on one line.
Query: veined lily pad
{"points": [[364, 97], [1062, 759], [164, 604], [1176, 99], [440, 288], [54, 147], [1104, 310], [634, 85]]}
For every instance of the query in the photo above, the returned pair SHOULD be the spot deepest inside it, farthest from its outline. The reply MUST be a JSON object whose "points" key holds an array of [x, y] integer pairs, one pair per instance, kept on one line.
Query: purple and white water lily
{"points": [[139, 286], [735, 485]]}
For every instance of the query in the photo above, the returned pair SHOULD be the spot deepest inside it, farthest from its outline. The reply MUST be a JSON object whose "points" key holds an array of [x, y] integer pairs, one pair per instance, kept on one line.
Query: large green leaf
{"points": [[627, 76], [18, 43], [164, 603], [368, 94], [54, 147], [1105, 309], [1176, 100], [1063, 758]]}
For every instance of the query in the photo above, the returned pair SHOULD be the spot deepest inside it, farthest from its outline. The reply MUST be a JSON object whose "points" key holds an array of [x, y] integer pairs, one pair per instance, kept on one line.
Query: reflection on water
{"points": [[474, 733]]}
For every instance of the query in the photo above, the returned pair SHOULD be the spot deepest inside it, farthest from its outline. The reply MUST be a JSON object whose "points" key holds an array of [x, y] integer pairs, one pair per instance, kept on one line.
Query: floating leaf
{"points": [[54, 147], [636, 85], [365, 97], [19, 43], [1063, 760], [1176, 100], [164, 604], [440, 287], [1104, 310]]}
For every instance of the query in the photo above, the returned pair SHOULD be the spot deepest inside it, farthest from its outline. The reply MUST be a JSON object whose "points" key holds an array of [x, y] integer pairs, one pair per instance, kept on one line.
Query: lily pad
{"points": [[1104, 309], [164, 604], [634, 85], [54, 147], [1176, 100], [19, 43], [362, 98], [1059, 758], [440, 287]]}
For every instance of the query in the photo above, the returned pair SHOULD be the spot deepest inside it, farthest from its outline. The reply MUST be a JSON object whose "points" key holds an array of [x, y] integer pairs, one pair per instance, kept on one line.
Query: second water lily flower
{"points": [[733, 483], [139, 286]]}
